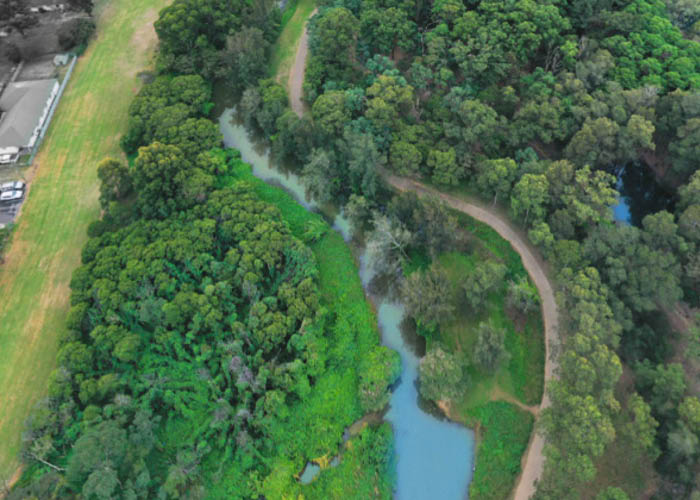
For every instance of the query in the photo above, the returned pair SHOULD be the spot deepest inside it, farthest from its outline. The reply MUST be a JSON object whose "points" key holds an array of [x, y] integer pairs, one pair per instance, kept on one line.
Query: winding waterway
{"points": [[434, 457]]}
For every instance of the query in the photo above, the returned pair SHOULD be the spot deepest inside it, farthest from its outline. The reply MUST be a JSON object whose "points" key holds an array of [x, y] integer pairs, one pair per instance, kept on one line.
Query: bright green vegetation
{"points": [[48, 237], [504, 431], [537, 105], [355, 335], [284, 50], [472, 391], [218, 336], [523, 375]]}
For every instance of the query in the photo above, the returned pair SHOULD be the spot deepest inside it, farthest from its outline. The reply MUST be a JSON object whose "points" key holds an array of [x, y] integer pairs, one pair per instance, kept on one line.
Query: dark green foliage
{"points": [[427, 299], [172, 111], [490, 350], [76, 35], [115, 181], [205, 37]]}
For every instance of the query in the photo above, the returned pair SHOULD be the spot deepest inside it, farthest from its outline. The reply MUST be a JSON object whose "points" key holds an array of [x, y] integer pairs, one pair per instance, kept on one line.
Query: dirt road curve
{"points": [[534, 459], [296, 75]]}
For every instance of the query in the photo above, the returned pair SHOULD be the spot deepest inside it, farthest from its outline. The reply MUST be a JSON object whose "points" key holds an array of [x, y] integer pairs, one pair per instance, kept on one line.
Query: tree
{"points": [[495, 177], [17, 14], [378, 370], [490, 350], [358, 211], [388, 99], [115, 181], [405, 158], [485, 278], [97, 457], [440, 375], [642, 276], [364, 159], [444, 167], [689, 193], [387, 243], [530, 195], [427, 299], [274, 103], [159, 175], [84, 5], [386, 28], [641, 426], [330, 114], [434, 226], [663, 386], [244, 51], [689, 411], [522, 295], [336, 36], [319, 176]]}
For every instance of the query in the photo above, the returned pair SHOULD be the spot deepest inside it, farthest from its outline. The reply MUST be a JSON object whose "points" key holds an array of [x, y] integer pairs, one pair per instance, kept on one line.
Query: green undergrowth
{"points": [[503, 428], [504, 431], [316, 427]]}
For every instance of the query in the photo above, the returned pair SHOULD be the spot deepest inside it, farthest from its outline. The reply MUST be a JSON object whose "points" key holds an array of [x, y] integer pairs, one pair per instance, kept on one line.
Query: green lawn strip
{"points": [[317, 426], [504, 431], [285, 48], [62, 201]]}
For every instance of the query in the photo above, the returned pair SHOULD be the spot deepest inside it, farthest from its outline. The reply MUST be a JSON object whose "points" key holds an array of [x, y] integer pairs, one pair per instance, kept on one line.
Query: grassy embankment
{"points": [[503, 428], [283, 52], [63, 200]]}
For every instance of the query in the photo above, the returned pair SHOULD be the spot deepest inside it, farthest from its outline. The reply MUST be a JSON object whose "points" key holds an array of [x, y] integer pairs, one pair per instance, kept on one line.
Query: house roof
{"points": [[22, 105]]}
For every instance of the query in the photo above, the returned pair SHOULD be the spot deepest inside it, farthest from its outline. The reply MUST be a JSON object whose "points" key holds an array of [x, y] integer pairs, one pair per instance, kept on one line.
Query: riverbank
{"points": [[534, 461]]}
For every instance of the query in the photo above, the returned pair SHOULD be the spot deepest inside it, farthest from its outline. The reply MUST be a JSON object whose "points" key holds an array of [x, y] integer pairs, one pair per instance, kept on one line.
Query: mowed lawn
{"points": [[62, 201]]}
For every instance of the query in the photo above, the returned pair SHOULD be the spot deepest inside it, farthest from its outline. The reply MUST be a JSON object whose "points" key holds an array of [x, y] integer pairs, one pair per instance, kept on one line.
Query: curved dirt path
{"points": [[296, 74], [534, 459]]}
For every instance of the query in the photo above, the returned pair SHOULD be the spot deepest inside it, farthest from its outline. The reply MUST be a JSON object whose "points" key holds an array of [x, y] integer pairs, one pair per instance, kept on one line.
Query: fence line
{"points": [[52, 110]]}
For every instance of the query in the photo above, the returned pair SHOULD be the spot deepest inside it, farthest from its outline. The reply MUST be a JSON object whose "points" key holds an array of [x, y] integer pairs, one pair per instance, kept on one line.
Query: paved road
{"points": [[534, 459]]}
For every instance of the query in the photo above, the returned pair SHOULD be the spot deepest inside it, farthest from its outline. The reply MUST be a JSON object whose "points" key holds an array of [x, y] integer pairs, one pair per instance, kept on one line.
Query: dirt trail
{"points": [[534, 459], [498, 394], [296, 75]]}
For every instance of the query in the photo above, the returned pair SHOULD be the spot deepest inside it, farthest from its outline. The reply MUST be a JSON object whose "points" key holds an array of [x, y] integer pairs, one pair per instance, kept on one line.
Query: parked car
{"points": [[12, 186], [7, 196]]}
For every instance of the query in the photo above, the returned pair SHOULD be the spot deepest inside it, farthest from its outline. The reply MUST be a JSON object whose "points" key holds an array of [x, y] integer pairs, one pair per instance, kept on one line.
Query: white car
{"points": [[12, 186], [6, 196]]}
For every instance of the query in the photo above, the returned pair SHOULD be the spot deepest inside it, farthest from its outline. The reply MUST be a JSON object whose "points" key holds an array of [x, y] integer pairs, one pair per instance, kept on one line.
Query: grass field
{"points": [[285, 49], [62, 201]]}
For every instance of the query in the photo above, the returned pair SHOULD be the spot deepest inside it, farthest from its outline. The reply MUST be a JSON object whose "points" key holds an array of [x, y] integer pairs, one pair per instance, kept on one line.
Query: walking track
{"points": [[534, 459]]}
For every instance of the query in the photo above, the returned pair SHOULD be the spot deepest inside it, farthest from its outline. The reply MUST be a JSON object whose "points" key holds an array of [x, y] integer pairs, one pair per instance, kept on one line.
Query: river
{"points": [[434, 457]]}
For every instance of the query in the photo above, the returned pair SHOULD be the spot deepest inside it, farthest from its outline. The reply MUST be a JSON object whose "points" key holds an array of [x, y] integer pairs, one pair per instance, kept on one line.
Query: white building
{"points": [[24, 107]]}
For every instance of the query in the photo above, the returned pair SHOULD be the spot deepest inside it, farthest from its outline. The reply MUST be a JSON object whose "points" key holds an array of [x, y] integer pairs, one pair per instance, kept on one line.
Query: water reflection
{"points": [[640, 195], [434, 456]]}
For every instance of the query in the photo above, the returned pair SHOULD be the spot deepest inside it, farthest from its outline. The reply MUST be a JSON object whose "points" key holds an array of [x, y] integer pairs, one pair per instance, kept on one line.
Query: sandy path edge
{"points": [[533, 462], [296, 74], [534, 458]]}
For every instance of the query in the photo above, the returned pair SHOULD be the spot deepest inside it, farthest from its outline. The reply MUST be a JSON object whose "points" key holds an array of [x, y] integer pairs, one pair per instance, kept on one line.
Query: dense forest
{"points": [[212, 348], [537, 106], [218, 336]]}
